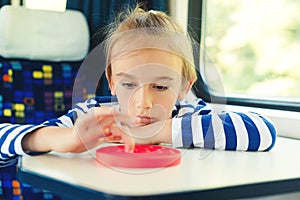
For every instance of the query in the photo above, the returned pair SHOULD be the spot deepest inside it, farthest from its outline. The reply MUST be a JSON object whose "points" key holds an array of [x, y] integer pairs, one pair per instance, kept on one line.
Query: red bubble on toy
{"points": [[144, 156]]}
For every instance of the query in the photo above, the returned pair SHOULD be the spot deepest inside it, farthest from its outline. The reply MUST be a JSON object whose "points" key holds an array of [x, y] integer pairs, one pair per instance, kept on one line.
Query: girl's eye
{"points": [[160, 87], [129, 85]]}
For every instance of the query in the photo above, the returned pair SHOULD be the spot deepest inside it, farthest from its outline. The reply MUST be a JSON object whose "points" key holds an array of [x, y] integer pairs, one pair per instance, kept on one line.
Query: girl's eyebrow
{"points": [[122, 74], [168, 78]]}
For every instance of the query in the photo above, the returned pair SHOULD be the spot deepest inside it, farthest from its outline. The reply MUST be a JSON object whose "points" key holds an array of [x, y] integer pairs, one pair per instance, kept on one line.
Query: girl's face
{"points": [[148, 83]]}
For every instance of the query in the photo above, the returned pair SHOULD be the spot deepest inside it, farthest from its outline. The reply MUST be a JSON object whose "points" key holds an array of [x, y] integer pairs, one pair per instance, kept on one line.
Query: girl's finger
{"points": [[126, 137], [105, 121]]}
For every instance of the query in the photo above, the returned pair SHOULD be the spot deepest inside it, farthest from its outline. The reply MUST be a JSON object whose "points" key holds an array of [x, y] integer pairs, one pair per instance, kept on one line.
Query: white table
{"points": [[202, 173]]}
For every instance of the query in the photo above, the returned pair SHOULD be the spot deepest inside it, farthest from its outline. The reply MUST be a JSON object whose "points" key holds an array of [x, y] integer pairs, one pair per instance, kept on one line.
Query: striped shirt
{"points": [[193, 125]]}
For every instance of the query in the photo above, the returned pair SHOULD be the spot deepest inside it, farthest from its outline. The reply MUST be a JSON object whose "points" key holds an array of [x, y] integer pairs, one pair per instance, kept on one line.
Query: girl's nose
{"points": [[143, 97]]}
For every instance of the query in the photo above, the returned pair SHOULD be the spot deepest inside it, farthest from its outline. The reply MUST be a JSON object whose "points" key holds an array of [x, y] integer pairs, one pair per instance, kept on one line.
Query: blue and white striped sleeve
{"points": [[11, 135], [224, 130], [69, 119]]}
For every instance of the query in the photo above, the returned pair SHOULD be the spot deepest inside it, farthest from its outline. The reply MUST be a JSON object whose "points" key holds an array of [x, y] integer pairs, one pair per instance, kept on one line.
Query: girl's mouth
{"points": [[144, 120]]}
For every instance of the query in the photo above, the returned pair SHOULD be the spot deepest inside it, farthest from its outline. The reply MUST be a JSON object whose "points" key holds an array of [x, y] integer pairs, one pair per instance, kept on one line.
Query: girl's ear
{"points": [[185, 89], [112, 89], [111, 84]]}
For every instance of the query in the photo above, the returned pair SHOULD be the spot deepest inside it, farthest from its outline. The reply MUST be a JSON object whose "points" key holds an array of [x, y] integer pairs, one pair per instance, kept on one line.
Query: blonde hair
{"points": [[159, 23]]}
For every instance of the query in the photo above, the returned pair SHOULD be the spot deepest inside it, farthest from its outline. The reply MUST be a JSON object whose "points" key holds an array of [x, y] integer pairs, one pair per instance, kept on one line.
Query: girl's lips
{"points": [[144, 120]]}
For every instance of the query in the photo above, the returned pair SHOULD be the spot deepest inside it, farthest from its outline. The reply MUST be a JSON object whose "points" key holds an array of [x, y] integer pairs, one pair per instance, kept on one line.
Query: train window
{"points": [[254, 45]]}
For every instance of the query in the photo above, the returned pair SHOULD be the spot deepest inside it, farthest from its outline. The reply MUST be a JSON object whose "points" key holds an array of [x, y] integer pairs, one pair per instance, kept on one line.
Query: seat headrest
{"points": [[43, 35]]}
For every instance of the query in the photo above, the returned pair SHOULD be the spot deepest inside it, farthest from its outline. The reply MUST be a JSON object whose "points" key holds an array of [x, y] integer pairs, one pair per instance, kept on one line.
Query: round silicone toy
{"points": [[144, 156]]}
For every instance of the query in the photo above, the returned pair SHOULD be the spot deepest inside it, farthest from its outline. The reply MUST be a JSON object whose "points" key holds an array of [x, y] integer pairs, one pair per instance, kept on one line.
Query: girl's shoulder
{"points": [[98, 101], [195, 106], [194, 103]]}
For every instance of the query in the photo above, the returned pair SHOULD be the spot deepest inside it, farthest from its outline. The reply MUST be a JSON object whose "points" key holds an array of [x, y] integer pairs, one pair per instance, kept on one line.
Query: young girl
{"points": [[150, 69]]}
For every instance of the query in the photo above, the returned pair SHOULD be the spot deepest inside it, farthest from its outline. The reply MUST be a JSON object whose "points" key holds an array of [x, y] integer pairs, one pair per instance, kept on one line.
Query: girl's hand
{"points": [[100, 124], [153, 133]]}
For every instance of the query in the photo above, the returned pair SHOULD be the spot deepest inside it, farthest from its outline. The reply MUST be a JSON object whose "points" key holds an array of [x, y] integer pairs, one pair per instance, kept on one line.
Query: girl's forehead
{"points": [[121, 43], [147, 59], [150, 73]]}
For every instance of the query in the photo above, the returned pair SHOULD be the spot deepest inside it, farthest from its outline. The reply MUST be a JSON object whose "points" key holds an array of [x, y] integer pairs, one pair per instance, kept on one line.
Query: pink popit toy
{"points": [[144, 156]]}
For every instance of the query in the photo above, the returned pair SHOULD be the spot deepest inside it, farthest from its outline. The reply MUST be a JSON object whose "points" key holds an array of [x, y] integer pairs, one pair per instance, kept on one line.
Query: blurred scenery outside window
{"points": [[255, 46]]}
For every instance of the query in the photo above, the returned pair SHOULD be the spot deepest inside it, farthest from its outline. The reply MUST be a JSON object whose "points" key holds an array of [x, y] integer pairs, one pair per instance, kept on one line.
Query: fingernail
{"points": [[106, 131], [129, 149]]}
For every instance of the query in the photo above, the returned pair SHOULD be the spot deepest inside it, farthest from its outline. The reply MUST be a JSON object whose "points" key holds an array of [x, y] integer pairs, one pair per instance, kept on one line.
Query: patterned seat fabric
{"points": [[30, 93], [11, 188], [34, 91]]}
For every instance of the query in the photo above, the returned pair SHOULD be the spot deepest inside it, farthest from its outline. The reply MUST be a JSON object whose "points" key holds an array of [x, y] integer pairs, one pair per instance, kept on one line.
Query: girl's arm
{"points": [[10, 141], [224, 130], [14, 137], [96, 126], [63, 134]]}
